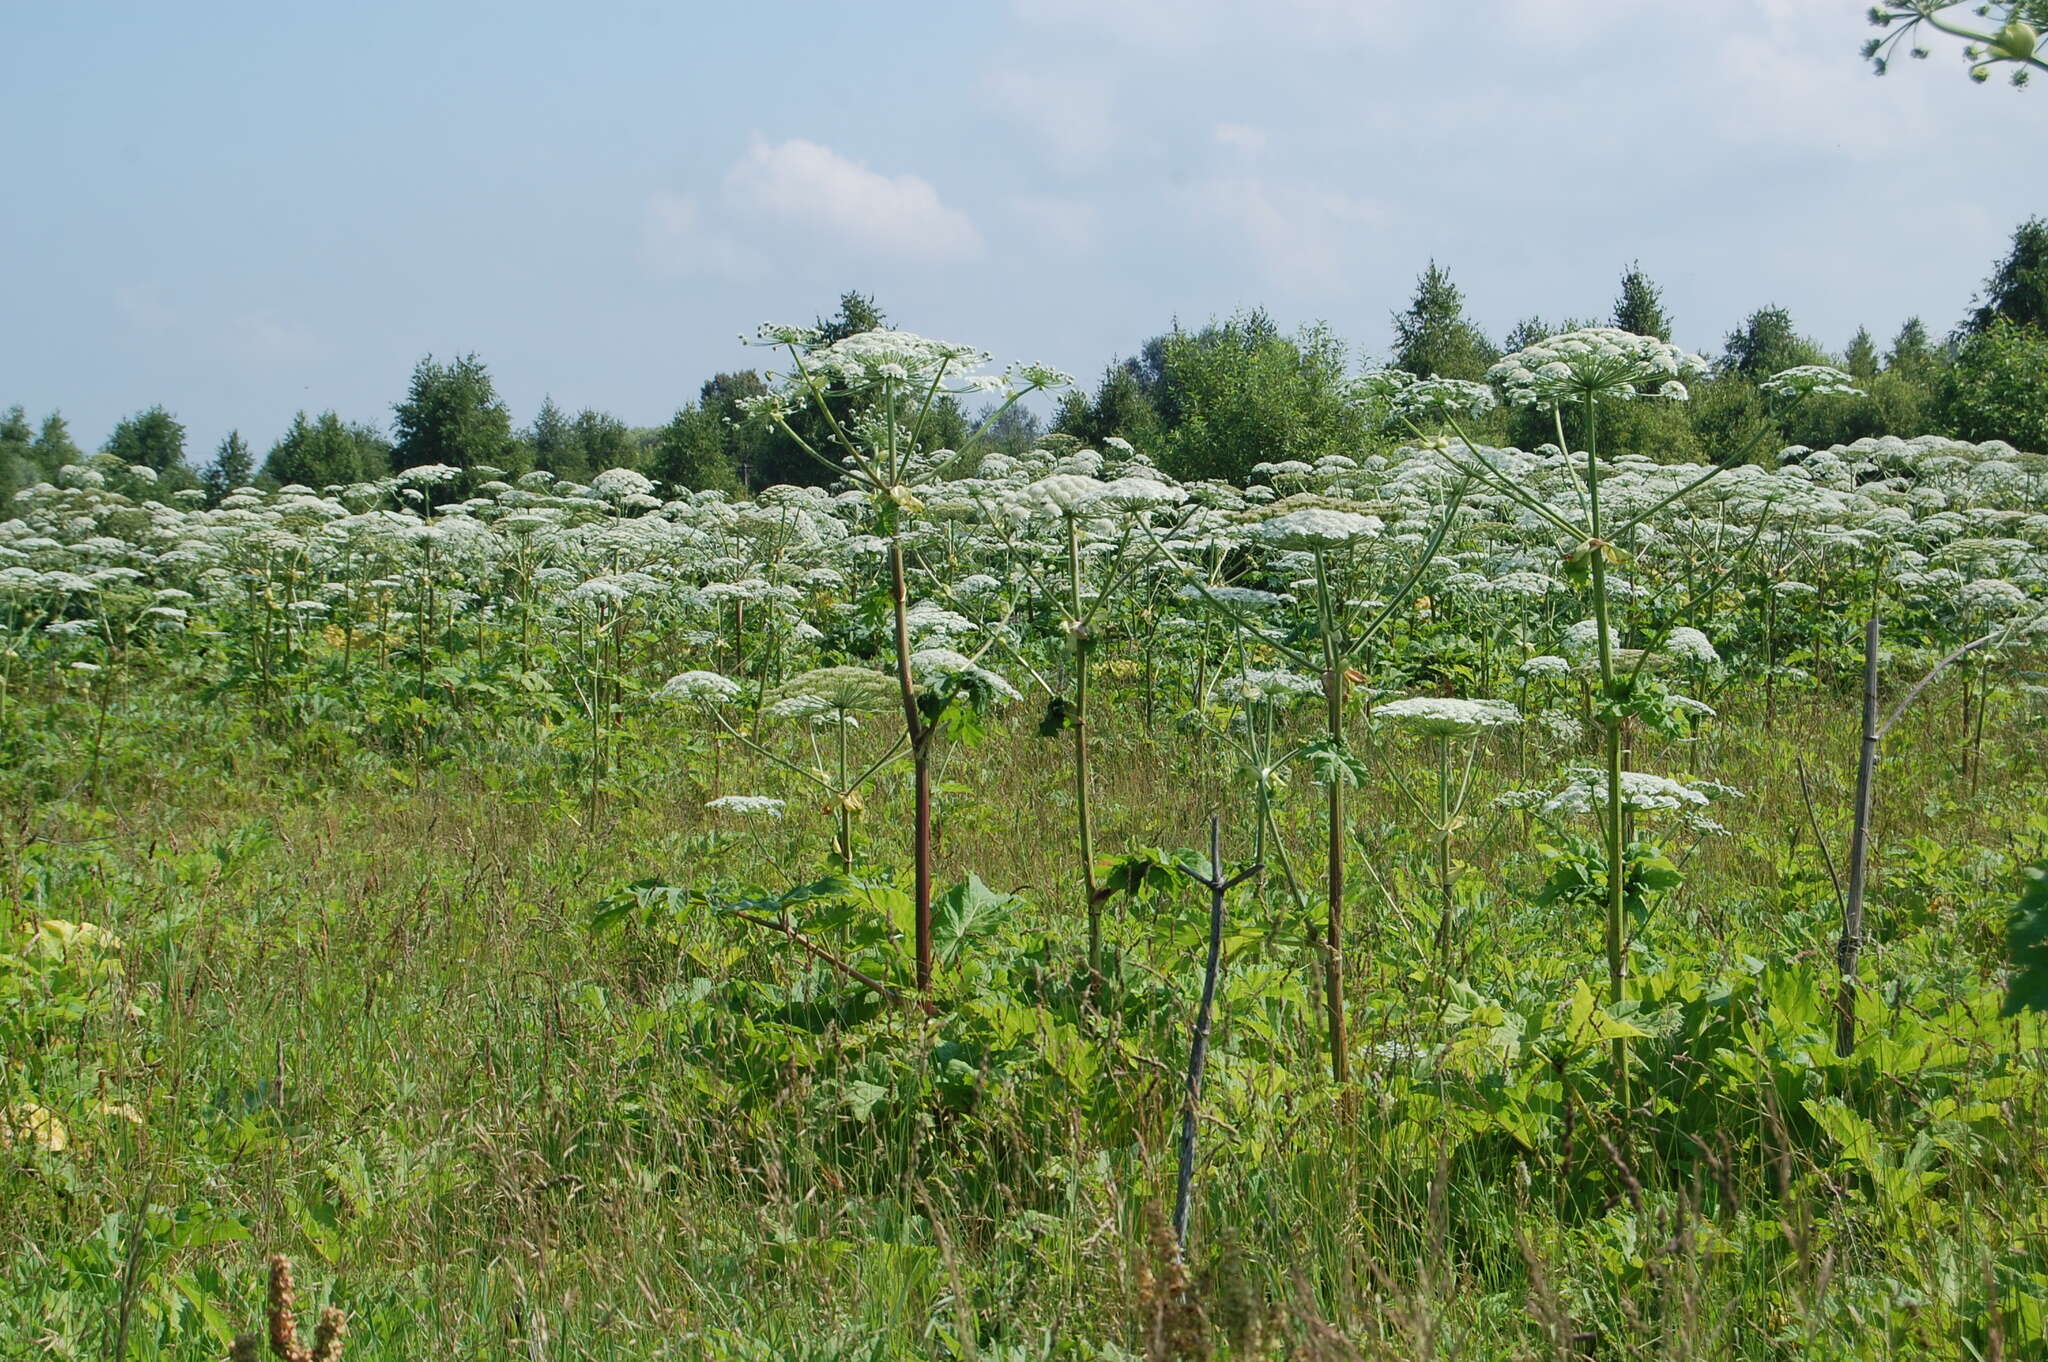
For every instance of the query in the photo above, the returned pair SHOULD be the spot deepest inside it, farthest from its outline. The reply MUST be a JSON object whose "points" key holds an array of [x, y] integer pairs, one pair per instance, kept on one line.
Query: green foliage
{"points": [[1997, 389], [1666, 431], [552, 444], [857, 312], [452, 416], [1121, 407], [1640, 307], [965, 916], [2026, 946], [153, 438], [603, 441], [1912, 350], [2017, 290], [1016, 430], [1433, 339], [691, 452], [18, 464], [234, 464], [54, 447], [1238, 392], [325, 452], [366, 894], [1766, 343]]}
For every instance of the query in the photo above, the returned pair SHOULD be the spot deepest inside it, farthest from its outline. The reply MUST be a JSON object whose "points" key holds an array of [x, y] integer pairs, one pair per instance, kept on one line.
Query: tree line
{"points": [[1205, 402]]}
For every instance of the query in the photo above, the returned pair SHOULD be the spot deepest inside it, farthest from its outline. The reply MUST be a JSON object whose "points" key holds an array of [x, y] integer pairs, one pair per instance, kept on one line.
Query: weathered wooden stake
{"points": [[1198, 1045]]}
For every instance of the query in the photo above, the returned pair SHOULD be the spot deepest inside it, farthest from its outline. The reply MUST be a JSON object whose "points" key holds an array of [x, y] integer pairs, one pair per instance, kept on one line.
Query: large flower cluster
{"points": [[1432, 401], [1447, 717], [1316, 527], [1598, 361], [1810, 380]]}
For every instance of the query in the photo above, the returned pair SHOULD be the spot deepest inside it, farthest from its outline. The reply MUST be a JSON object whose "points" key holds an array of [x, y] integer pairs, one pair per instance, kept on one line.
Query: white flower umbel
{"points": [[1429, 401], [1991, 596], [1444, 720], [619, 484], [1810, 380], [1277, 686], [701, 688], [1598, 361], [1641, 792], [855, 690], [1316, 527], [1448, 717], [1057, 494], [937, 666], [1688, 644], [747, 806]]}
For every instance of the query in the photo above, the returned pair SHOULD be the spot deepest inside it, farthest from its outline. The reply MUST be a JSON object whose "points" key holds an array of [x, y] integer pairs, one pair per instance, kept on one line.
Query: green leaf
{"points": [[2026, 946], [968, 910], [1653, 870], [617, 909], [861, 1098], [1578, 566], [1332, 763], [204, 1233], [1147, 870], [1587, 1023]]}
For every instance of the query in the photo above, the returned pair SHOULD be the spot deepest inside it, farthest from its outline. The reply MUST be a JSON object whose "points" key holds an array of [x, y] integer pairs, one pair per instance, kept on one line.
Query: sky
{"points": [[239, 210]]}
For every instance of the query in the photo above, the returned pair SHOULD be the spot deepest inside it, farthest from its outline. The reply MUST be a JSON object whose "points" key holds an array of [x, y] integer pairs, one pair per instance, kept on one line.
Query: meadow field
{"points": [[585, 920]]}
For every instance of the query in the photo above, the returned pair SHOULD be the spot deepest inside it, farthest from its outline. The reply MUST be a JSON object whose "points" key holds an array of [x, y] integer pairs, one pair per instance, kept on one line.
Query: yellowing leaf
{"points": [[1588, 1023]]}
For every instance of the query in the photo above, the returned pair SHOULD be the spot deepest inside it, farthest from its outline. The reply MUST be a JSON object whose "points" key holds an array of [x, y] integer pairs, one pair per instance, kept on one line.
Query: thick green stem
{"points": [[1443, 851], [1610, 722], [921, 763], [845, 794], [1078, 717]]}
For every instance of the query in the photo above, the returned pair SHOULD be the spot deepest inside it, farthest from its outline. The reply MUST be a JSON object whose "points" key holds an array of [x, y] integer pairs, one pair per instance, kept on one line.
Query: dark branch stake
{"points": [[1198, 1045], [1849, 947]]}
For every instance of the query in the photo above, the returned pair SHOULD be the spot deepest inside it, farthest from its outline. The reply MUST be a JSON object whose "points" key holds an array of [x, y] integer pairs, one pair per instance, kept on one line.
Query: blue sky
{"points": [[239, 210]]}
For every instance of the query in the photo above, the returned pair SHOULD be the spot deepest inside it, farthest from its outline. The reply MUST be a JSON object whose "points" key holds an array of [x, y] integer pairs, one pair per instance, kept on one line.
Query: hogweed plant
{"points": [[880, 450], [1333, 537], [2004, 34], [1261, 696], [1111, 519], [1583, 370], [1443, 721]]}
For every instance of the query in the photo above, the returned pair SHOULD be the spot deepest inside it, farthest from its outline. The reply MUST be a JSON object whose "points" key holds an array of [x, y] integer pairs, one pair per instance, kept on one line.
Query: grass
{"points": [[362, 1022]]}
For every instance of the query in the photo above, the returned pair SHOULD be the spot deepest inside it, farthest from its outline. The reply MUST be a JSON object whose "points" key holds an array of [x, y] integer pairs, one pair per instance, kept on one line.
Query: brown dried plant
{"points": [[1169, 1311], [282, 1324]]}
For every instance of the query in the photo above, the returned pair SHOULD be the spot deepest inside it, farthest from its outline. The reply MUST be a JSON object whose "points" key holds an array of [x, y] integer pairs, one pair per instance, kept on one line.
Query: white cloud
{"points": [[1146, 23], [802, 184], [1241, 137], [1070, 119], [1777, 87], [676, 242], [145, 309], [1183, 24], [1300, 236], [1556, 22], [1069, 225]]}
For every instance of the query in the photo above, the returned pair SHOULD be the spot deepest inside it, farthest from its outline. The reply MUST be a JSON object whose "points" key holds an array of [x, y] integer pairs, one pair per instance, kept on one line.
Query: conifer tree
{"points": [[1433, 338], [1640, 308]]}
